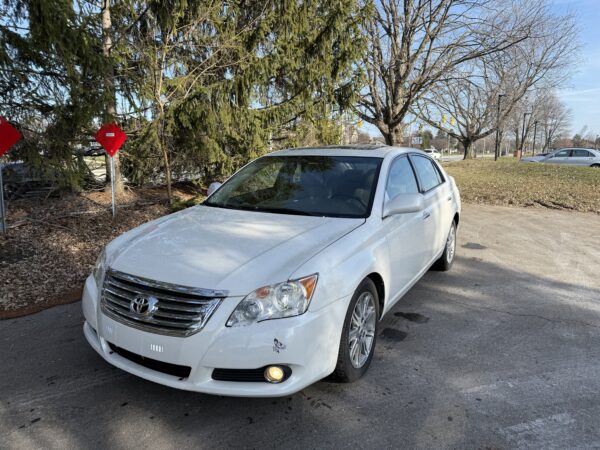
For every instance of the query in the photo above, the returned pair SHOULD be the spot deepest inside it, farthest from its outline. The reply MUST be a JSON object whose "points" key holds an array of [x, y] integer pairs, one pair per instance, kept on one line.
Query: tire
{"points": [[445, 262], [350, 367]]}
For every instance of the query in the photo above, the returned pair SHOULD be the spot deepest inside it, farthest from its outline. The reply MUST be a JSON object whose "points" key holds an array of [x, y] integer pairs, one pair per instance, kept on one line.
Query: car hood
{"points": [[225, 249]]}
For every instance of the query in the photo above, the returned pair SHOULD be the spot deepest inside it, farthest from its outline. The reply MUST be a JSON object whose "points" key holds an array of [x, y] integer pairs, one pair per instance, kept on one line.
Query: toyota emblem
{"points": [[143, 305]]}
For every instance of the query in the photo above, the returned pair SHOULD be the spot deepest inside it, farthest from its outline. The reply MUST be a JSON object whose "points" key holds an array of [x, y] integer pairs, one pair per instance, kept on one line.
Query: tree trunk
{"points": [[160, 125], [109, 92], [469, 149], [393, 136]]}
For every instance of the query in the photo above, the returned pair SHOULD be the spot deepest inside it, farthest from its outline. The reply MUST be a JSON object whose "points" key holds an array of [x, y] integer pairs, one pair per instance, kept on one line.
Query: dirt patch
{"points": [[412, 317], [51, 245], [393, 334]]}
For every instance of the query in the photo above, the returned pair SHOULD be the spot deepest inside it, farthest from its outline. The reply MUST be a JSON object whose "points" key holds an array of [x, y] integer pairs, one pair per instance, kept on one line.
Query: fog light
{"points": [[274, 374]]}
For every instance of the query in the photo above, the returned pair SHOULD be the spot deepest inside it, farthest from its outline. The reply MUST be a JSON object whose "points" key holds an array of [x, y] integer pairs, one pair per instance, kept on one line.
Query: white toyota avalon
{"points": [[280, 277]]}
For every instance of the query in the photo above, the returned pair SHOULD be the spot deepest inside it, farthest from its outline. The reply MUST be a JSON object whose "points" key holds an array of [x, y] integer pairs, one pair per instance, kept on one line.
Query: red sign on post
{"points": [[110, 137], [8, 136]]}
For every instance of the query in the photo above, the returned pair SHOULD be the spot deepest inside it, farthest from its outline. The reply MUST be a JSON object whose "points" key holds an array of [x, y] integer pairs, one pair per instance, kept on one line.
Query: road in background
{"points": [[501, 352]]}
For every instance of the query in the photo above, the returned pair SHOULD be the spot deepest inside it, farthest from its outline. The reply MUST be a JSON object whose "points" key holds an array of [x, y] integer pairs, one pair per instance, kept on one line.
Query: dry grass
{"points": [[508, 182]]}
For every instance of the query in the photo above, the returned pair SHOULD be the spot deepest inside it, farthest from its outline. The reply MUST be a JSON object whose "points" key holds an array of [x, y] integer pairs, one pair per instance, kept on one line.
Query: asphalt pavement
{"points": [[501, 352]]}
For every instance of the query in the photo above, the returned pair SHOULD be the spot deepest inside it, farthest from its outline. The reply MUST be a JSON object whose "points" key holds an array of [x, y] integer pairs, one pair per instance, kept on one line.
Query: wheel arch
{"points": [[377, 279]]}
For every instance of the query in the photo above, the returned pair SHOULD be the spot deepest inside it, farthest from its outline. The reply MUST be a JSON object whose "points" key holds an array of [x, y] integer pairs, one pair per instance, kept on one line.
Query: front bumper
{"points": [[311, 343]]}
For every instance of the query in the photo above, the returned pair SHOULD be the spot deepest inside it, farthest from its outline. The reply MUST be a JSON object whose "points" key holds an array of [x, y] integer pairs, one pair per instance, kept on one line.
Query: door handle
{"points": [[426, 215], [449, 198]]}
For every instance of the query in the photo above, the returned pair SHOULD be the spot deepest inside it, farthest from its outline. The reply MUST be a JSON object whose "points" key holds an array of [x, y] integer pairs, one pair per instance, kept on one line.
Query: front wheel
{"points": [[447, 259], [359, 334]]}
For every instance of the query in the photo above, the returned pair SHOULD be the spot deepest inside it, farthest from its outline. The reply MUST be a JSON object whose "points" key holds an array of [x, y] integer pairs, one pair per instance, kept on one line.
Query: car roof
{"points": [[365, 150], [575, 148]]}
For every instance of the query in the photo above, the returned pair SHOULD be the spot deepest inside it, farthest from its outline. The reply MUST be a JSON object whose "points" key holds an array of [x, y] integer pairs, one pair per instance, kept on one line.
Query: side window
{"points": [[563, 154], [427, 173], [581, 154], [401, 179]]}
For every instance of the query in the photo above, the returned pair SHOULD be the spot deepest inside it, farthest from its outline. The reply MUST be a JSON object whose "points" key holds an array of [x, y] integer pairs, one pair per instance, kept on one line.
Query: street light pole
{"points": [[497, 144], [525, 114], [534, 135]]}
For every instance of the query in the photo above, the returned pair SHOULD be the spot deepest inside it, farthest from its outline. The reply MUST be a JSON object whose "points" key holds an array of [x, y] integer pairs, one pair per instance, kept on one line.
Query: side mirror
{"points": [[403, 204], [213, 187]]}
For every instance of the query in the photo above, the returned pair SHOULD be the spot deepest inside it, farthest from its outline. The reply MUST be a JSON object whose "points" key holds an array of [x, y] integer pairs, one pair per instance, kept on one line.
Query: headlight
{"points": [[99, 268], [277, 301]]}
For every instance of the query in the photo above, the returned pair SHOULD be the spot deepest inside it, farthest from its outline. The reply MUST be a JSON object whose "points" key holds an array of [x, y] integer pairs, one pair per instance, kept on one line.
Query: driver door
{"points": [[561, 157], [405, 233]]}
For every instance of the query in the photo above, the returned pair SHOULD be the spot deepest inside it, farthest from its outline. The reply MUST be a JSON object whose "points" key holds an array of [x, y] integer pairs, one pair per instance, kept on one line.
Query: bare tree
{"points": [[470, 100], [554, 118], [413, 44], [472, 92]]}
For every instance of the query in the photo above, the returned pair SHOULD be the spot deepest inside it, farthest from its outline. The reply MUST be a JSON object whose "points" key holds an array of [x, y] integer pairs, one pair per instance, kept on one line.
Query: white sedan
{"points": [[280, 278], [586, 157], [433, 153]]}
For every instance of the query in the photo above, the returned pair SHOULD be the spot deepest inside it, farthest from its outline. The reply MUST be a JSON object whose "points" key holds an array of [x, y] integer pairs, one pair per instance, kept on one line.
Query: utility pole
{"points": [[534, 135], [525, 114], [497, 144]]}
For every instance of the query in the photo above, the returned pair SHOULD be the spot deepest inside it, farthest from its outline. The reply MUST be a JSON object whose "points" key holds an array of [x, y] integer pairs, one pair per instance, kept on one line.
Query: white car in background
{"points": [[572, 156], [280, 278], [433, 153]]}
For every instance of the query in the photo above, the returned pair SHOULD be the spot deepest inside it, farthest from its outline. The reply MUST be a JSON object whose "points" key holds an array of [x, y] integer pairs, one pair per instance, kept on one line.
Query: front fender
{"points": [[344, 264]]}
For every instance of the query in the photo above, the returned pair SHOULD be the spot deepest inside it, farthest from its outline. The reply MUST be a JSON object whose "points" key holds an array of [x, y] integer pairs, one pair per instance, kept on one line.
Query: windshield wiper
{"points": [[296, 212]]}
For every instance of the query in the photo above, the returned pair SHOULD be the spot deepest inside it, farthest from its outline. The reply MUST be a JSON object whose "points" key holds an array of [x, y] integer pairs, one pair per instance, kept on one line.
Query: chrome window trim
{"points": [[435, 167]]}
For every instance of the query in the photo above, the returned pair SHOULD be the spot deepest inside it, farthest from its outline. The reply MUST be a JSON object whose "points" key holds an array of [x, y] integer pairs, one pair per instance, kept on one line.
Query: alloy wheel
{"points": [[451, 244], [362, 330]]}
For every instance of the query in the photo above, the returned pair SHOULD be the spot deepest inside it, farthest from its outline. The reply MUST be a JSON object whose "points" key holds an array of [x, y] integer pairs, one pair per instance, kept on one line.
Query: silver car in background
{"points": [[573, 156]]}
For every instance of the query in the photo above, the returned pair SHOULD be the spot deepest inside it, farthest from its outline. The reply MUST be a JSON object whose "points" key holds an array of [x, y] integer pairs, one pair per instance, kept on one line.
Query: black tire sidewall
{"points": [[344, 370], [442, 263]]}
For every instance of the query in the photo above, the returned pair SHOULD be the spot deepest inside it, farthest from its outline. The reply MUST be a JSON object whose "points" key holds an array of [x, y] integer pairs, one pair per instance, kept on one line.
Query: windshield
{"points": [[334, 186]]}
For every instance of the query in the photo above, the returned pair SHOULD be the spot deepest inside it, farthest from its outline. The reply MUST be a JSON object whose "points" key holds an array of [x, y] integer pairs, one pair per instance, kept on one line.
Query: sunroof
{"points": [[344, 147]]}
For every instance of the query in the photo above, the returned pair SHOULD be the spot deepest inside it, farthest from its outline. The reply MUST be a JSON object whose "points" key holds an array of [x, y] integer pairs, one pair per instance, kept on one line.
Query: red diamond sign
{"points": [[110, 137], [8, 136]]}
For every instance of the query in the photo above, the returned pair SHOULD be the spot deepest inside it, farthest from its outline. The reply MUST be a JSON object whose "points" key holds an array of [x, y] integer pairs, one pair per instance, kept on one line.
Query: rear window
{"points": [[428, 174], [581, 154]]}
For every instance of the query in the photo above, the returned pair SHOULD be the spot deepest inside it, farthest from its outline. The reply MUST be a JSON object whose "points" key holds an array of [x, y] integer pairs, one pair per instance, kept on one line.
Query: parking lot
{"points": [[501, 352]]}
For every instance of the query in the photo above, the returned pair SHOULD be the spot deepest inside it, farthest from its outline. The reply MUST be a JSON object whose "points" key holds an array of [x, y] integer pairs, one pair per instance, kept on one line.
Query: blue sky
{"points": [[582, 93]]}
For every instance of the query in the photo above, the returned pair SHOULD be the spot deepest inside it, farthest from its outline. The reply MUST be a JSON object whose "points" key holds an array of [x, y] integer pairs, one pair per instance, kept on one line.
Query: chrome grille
{"points": [[175, 311]]}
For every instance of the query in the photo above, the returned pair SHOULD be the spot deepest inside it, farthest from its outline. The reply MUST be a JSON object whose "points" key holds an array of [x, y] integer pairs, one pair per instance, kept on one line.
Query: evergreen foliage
{"points": [[201, 86]]}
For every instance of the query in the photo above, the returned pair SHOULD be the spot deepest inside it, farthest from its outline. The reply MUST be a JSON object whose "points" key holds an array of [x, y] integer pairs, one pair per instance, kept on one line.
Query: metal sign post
{"points": [[112, 186], [9, 135], [111, 137], [2, 209]]}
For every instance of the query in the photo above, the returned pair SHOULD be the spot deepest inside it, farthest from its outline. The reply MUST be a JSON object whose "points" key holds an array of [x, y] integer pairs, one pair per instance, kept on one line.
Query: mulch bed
{"points": [[51, 245]]}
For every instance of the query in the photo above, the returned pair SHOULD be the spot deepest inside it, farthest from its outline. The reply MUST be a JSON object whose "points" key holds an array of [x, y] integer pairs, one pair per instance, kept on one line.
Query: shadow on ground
{"points": [[482, 356]]}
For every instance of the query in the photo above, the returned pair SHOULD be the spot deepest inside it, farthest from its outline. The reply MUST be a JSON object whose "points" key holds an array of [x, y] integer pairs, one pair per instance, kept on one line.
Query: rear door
{"points": [[581, 157], [435, 216]]}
